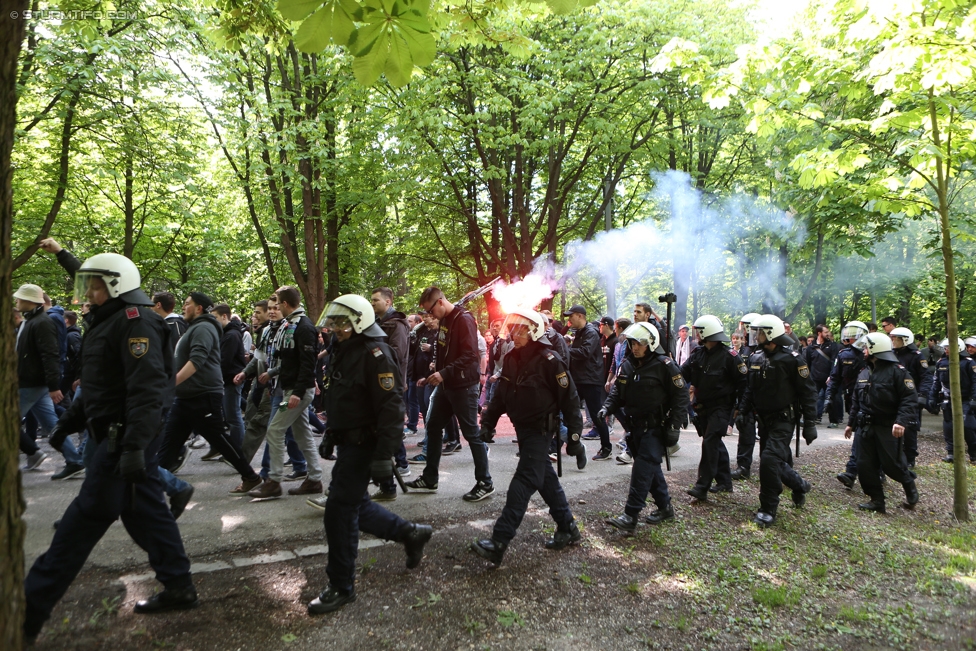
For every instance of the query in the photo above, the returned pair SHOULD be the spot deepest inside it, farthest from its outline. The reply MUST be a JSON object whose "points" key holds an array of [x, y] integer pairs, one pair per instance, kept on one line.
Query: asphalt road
{"points": [[215, 521]]}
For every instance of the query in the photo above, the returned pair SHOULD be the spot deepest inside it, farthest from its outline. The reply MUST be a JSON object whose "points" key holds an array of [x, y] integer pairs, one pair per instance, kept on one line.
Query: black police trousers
{"points": [[776, 462], [533, 474], [349, 510], [463, 403], [879, 450], [747, 442], [104, 498], [712, 425], [969, 425], [647, 448]]}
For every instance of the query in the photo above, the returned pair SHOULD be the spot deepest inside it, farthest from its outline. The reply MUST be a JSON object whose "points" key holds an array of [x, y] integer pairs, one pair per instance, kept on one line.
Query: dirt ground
{"points": [[825, 577]]}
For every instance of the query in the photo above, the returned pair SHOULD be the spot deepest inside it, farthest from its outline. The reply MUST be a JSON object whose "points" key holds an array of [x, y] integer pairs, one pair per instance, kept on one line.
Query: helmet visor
{"points": [[88, 281], [638, 333], [516, 325], [852, 332], [336, 316]]}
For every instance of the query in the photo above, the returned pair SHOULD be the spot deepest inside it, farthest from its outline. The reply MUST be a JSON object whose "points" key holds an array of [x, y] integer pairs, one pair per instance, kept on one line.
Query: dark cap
{"points": [[202, 300], [607, 321], [576, 309]]}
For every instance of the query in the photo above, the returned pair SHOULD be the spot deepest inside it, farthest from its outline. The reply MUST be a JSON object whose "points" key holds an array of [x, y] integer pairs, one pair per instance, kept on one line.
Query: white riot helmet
{"points": [[120, 275], [643, 333], [747, 320], [877, 344], [351, 312], [535, 322], [710, 328], [906, 335], [853, 331], [970, 341], [771, 326], [960, 345]]}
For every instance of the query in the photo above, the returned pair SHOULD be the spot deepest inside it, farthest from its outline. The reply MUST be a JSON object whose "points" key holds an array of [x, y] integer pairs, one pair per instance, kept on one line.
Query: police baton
{"points": [[396, 473], [667, 456], [797, 430], [553, 427]]}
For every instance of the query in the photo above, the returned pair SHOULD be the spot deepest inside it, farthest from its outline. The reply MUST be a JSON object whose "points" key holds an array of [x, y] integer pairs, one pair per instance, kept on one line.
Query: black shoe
{"points": [[167, 600], [873, 505], [800, 496], [660, 515], [602, 455], [211, 455], [740, 473], [480, 491], [699, 493], [563, 539], [489, 550], [847, 479], [414, 541], [69, 471], [623, 522], [947, 458], [720, 489], [296, 475], [420, 484], [177, 503], [330, 600], [580, 459], [911, 495], [764, 520], [451, 448]]}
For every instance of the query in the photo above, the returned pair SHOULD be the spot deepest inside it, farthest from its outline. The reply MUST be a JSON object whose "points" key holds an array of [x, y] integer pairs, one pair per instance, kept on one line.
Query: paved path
{"points": [[216, 522]]}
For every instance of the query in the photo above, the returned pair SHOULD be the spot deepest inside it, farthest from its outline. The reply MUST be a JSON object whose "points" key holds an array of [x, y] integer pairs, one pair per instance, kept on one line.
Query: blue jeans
{"points": [[232, 413], [37, 401], [171, 483], [415, 396]]}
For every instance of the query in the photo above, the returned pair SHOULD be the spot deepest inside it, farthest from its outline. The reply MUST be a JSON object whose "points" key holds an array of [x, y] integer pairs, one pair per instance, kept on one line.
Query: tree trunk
{"points": [[11, 496]]}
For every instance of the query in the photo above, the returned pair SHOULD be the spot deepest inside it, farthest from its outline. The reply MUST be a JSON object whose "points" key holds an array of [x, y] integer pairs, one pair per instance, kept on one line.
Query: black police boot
{"points": [[948, 457], [330, 600], [911, 495], [177, 503], [847, 479], [740, 473], [720, 489], [167, 600], [563, 539], [624, 522], [490, 550], [764, 520], [413, 541], [698, 492], [660, 515], [800, 496], [875, 505]]}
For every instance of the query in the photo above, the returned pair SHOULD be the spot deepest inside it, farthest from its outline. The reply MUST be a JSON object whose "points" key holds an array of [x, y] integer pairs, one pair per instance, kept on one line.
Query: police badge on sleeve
{"points": [[678, 381], [563, 380], [909, 383], [804, 371], [386, 381], [138, 346]]}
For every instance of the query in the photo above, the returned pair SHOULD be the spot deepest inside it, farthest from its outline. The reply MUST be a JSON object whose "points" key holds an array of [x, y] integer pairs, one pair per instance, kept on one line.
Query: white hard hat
{"points": [[643, 333], [853, 330], [354, 310], [877, 345], [525, 317], [772, 326], [120, 275], [905, 334], [710, 328]]}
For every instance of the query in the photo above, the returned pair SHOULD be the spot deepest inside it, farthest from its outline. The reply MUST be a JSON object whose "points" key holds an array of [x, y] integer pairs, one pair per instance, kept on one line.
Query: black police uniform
{"points": [[918, 367], [364, 400], [884, 396], [652, 392], [534, 387], [718, 377], [843, 377], [940, 395], [779, 390], [746, 424], [127, 375]]}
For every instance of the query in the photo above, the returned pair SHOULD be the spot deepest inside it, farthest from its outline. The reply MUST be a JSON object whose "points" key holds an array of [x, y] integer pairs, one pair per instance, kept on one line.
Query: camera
{"points": [[670, 297]]}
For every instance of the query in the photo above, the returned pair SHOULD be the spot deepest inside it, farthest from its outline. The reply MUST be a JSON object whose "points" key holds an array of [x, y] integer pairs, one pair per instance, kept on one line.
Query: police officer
{"points": [[650, 388], [779, 391], [717, 377], [534, 387], [843, 378], [745, 423], [127, 375], [885, 406], [939, 397], [364, 400], [909, 356]]}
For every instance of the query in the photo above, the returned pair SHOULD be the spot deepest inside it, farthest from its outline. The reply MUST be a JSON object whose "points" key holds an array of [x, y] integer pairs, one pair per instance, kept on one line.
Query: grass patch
{"points": [[776, 597]]}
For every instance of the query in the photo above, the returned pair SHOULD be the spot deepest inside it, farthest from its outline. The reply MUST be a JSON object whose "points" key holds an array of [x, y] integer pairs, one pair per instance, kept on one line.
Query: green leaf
{"points": [[399, 63], [362, 40], [368, 67], [423, 47], [297, 9], [562, 7], [315, 32]]}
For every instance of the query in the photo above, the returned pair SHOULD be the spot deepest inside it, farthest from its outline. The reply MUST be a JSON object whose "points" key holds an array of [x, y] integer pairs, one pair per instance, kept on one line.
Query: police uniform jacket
{"points": [[777, 381], [967, 380], [718, 375], [651, 389], [457, 358], [364, 393], [917, 366], [126, 372], [535, 383], [847, 366], [884, 395], [586, 356]]}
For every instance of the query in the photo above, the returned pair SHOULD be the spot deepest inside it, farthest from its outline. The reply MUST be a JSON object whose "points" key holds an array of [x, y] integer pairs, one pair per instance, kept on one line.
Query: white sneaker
{"points": [[198, 442], [318, 502], [624, 458]]}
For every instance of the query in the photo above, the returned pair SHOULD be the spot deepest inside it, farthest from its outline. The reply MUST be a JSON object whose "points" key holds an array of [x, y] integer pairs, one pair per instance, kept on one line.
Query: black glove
{"points": [[381, 470], [739, 420], [933, 407], [671, 436], [57, 437], [132, 466], [809, 432], [602, 414], [573, 445]]}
